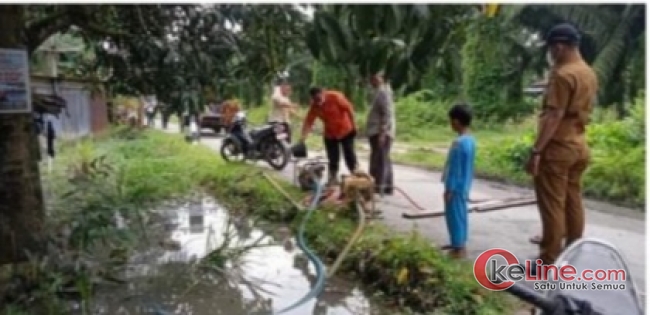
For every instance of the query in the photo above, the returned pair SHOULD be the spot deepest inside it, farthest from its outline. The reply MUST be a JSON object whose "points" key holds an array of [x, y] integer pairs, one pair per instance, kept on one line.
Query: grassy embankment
{"points": [[141, 169]]}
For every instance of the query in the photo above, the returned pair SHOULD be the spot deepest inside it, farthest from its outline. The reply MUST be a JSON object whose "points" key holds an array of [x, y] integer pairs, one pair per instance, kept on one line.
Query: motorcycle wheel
{"points": [[278, 154], [231, 151]]}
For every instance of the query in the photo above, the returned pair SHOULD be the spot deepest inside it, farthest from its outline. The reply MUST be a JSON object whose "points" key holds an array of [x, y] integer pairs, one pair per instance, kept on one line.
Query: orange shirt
{"points": [[228, 111], [336, 113]]}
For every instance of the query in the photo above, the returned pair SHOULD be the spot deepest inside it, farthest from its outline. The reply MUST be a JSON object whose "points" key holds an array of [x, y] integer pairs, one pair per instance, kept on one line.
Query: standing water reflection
{"points": [[223, 265]]}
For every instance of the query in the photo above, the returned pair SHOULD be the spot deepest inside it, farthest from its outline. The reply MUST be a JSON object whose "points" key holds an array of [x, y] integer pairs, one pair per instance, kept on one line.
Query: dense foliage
{"points": [[190, 54]]}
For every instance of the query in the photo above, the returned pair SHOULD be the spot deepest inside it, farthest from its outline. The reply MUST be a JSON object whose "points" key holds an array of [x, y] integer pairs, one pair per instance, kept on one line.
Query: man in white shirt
{"points": [[281, 106]]}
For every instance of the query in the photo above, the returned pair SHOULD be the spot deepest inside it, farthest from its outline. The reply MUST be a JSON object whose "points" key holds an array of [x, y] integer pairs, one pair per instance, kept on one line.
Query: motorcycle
{"points": [[268, 143], [618, 297]]}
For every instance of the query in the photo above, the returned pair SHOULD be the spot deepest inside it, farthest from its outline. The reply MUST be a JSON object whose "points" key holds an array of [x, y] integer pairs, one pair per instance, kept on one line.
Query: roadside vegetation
{"points": [[616, 174], [130, 171], [102, 194]]}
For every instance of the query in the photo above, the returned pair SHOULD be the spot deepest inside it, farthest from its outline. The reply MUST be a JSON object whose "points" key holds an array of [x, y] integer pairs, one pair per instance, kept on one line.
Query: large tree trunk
{"points": [[22, 212]]}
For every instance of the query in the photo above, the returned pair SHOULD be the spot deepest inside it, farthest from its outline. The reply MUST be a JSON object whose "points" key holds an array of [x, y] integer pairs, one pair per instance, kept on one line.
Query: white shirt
{"points": [[279, 113]]}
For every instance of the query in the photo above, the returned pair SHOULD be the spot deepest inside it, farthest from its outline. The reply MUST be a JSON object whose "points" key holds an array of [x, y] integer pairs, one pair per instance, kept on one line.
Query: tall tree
{"points": [[21, 197], [22, 212]]}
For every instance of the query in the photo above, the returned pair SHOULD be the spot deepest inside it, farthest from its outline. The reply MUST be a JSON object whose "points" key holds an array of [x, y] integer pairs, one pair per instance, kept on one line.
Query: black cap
{"points": [[563, 33], [313, 91], [282, 81]]}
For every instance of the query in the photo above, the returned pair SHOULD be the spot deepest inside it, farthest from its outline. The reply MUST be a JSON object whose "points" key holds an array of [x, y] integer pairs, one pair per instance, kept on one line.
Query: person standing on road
{"points": [[380, 128], [337, 115], [151, 113], [457, 178], [560, 154], [229, 109], [282, 108]]}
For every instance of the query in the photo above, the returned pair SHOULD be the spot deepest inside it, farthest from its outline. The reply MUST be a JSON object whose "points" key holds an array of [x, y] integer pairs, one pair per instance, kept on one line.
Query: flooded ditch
{"points": [[211, 263]]}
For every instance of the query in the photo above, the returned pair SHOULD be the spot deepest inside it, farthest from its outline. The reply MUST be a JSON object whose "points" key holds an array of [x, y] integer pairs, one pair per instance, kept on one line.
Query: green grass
{"points": [[156, 166]]}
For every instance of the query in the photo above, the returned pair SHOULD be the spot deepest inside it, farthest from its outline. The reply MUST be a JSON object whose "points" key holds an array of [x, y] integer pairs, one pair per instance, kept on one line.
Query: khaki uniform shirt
{"points": [[572, 87]]}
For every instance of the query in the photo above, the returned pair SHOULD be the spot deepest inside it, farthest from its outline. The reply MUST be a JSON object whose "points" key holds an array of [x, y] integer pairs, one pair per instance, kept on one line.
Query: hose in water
{"points": [[318, 264]]}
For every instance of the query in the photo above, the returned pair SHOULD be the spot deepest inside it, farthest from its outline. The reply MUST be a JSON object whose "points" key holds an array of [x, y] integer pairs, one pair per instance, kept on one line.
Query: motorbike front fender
{"points": [[233, 139]]}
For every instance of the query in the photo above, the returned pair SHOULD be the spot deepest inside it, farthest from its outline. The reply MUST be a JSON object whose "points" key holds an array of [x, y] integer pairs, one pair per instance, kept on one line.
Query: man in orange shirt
{"points": [[337, 115]]}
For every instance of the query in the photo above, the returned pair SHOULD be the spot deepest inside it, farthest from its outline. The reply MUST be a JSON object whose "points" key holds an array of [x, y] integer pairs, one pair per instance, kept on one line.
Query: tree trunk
{"points": [[22, 211]]}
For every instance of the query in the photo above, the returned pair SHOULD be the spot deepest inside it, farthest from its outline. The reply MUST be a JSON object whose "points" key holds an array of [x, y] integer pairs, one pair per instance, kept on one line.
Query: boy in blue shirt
{"points": [[457, 178]]}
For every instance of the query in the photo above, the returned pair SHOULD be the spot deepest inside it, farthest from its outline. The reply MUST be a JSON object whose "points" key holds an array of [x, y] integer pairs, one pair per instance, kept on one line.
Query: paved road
{"points": [[508, 228]]}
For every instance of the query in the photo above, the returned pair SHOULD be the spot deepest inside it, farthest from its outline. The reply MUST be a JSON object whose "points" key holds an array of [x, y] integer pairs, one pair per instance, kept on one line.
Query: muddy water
{"points": [[271, 275]]}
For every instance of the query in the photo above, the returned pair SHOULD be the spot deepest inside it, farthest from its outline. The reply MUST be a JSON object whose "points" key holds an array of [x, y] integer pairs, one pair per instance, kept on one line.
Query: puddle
{"points": [[269, 277]]}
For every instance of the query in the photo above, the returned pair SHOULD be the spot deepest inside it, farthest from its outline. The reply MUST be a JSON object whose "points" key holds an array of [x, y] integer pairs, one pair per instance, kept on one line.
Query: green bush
{"points": [[417, 113], [617, 169]]}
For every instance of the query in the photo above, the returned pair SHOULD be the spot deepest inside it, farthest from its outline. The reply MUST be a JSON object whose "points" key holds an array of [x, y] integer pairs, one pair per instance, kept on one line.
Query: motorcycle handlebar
{"points": [[531, 296]]}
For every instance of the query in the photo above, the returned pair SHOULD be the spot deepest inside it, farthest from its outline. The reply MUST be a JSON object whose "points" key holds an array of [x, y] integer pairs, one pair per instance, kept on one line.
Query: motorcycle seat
{"points": [[257, 130]]}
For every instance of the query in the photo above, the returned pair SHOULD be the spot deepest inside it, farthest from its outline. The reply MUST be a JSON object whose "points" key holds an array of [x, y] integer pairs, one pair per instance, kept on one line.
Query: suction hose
{"points": [[318, 264], [360, 226]]}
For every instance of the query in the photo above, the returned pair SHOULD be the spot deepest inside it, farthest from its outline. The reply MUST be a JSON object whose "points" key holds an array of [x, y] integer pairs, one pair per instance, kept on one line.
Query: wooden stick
{"points": [[479, 209]]}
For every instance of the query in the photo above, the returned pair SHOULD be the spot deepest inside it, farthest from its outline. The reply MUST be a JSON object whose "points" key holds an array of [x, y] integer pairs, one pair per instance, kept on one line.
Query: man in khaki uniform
{"points": [[560, 154]]}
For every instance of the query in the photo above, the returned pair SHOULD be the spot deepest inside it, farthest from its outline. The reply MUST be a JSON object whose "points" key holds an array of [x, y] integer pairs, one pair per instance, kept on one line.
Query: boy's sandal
{"points": [[446, 247]]}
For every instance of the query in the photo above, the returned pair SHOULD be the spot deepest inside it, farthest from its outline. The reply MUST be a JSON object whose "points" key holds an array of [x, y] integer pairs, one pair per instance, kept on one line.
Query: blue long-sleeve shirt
{"points": [[459, 168]]}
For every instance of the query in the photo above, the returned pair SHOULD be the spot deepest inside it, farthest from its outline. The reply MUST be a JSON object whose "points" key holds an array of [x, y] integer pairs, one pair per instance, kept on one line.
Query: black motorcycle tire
{"points": [[286, 154], [224, 145]]}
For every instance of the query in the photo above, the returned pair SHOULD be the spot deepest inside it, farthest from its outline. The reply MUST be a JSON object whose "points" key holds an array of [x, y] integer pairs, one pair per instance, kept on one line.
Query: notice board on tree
{"points": [[15, 96]]}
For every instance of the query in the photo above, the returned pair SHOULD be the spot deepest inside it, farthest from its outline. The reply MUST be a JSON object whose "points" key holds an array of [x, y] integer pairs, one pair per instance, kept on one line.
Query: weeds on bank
{"points": [[380, 259], [406, 270], [99, 199]]}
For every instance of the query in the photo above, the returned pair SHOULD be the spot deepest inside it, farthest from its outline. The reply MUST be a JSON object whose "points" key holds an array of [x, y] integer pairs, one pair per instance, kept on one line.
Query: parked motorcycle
{"points": [[611, 298], [268, 143]]}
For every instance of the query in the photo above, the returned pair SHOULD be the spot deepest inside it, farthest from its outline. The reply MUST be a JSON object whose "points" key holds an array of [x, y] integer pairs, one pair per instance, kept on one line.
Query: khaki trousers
{"points": [[558, 187]]}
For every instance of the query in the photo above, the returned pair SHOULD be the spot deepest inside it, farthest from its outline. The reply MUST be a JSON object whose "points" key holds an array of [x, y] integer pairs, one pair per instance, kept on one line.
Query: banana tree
{"points": [[397, 39]]}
